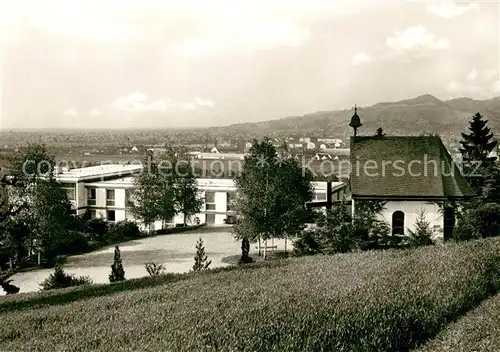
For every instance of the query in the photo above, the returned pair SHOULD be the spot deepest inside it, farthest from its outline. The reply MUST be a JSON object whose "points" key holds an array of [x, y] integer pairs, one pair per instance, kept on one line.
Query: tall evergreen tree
{"points": [[476, 148], [117, 271]]}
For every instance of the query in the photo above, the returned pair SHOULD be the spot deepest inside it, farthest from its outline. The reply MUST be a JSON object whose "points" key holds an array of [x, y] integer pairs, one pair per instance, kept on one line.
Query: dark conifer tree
{"points": [[476, 148]]}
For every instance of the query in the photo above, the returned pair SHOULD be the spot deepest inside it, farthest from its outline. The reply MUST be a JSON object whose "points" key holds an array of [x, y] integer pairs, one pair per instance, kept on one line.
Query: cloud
{"points": [[414, 43], [476, 84], [472, 75], [77, 20], [496, 87], [71, 112], [360, 58], [95, 112], [450, 9], [140, 102], [243, 37]]}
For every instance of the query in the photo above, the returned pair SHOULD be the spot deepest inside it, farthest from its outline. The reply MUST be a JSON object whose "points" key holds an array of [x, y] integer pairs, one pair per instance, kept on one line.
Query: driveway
{"points": [[176, 252]]}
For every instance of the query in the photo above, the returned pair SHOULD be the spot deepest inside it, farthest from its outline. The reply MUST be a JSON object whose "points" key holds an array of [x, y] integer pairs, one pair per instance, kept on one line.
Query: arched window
{"points": [[398, 223]]}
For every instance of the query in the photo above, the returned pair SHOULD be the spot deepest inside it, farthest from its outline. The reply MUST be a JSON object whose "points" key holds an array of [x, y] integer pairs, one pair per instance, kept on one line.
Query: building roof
{"points": [[404, 167], [97, 172], [206, 184], [219, 156]]}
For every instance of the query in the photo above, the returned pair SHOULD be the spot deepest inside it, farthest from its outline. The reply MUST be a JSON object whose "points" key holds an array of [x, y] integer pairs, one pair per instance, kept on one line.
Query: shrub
{"points": [[117, 271], [479, 222], [337, 233], [201, 261], [154, 269], [60, 279], [123, 231], [98, 227], [75, 242], [423, 233], [308, 243]]}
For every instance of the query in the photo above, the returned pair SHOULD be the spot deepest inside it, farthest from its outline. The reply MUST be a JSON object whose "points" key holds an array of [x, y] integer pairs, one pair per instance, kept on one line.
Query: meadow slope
{"points": [[478, 330], [370, 301]]}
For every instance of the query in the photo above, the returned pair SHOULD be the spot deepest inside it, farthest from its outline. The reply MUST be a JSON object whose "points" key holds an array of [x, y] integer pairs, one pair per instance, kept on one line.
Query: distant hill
{"points": [[423, 114]]}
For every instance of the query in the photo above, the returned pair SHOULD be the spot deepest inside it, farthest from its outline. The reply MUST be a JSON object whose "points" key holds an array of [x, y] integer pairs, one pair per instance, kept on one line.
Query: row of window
{"points": [[209, 198], [110, 215], [92, 196], [210, 201]]}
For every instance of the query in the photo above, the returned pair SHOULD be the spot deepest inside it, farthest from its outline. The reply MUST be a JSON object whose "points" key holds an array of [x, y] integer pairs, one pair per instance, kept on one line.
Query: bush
{"points": [[423, 235], [154, 269], [75, 242], [337, 233], [369, 301], [98, 227], [479, 222], [308, 243], [123, 231], [59, 279]]}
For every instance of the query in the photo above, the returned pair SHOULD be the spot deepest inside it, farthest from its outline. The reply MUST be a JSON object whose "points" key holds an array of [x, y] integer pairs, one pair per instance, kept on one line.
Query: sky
{"points": [[198, 63]]}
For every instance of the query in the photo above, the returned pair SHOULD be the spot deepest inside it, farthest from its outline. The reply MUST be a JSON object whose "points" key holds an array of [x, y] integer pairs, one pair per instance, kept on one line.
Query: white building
{"points": [[409, 174], [105, 192]]}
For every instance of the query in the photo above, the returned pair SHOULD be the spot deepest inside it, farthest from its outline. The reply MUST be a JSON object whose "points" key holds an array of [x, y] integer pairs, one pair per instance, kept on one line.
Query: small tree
{"points": [[60, 279], [187, 199], [146, 194], [423, 233], [201, 261], [272, 196], [154, 269], [117, 271]]}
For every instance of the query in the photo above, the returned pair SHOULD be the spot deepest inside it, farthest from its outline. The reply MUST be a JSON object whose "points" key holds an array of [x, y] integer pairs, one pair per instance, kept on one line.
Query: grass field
{"points": [[478, 330], [371, 301]]}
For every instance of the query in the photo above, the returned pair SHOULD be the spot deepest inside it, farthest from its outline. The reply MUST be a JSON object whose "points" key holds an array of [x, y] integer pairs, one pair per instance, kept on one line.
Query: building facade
{"points": [[105, 191], [411, 176]]}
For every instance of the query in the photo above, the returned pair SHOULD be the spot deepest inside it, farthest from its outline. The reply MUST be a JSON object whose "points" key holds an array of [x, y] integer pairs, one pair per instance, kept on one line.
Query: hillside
{"points": [[423, 114], [369, 301]]}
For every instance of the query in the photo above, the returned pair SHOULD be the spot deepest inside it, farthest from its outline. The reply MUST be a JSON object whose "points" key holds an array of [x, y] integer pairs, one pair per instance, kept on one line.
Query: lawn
{"points": [[370, 301], [478, 330]]}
